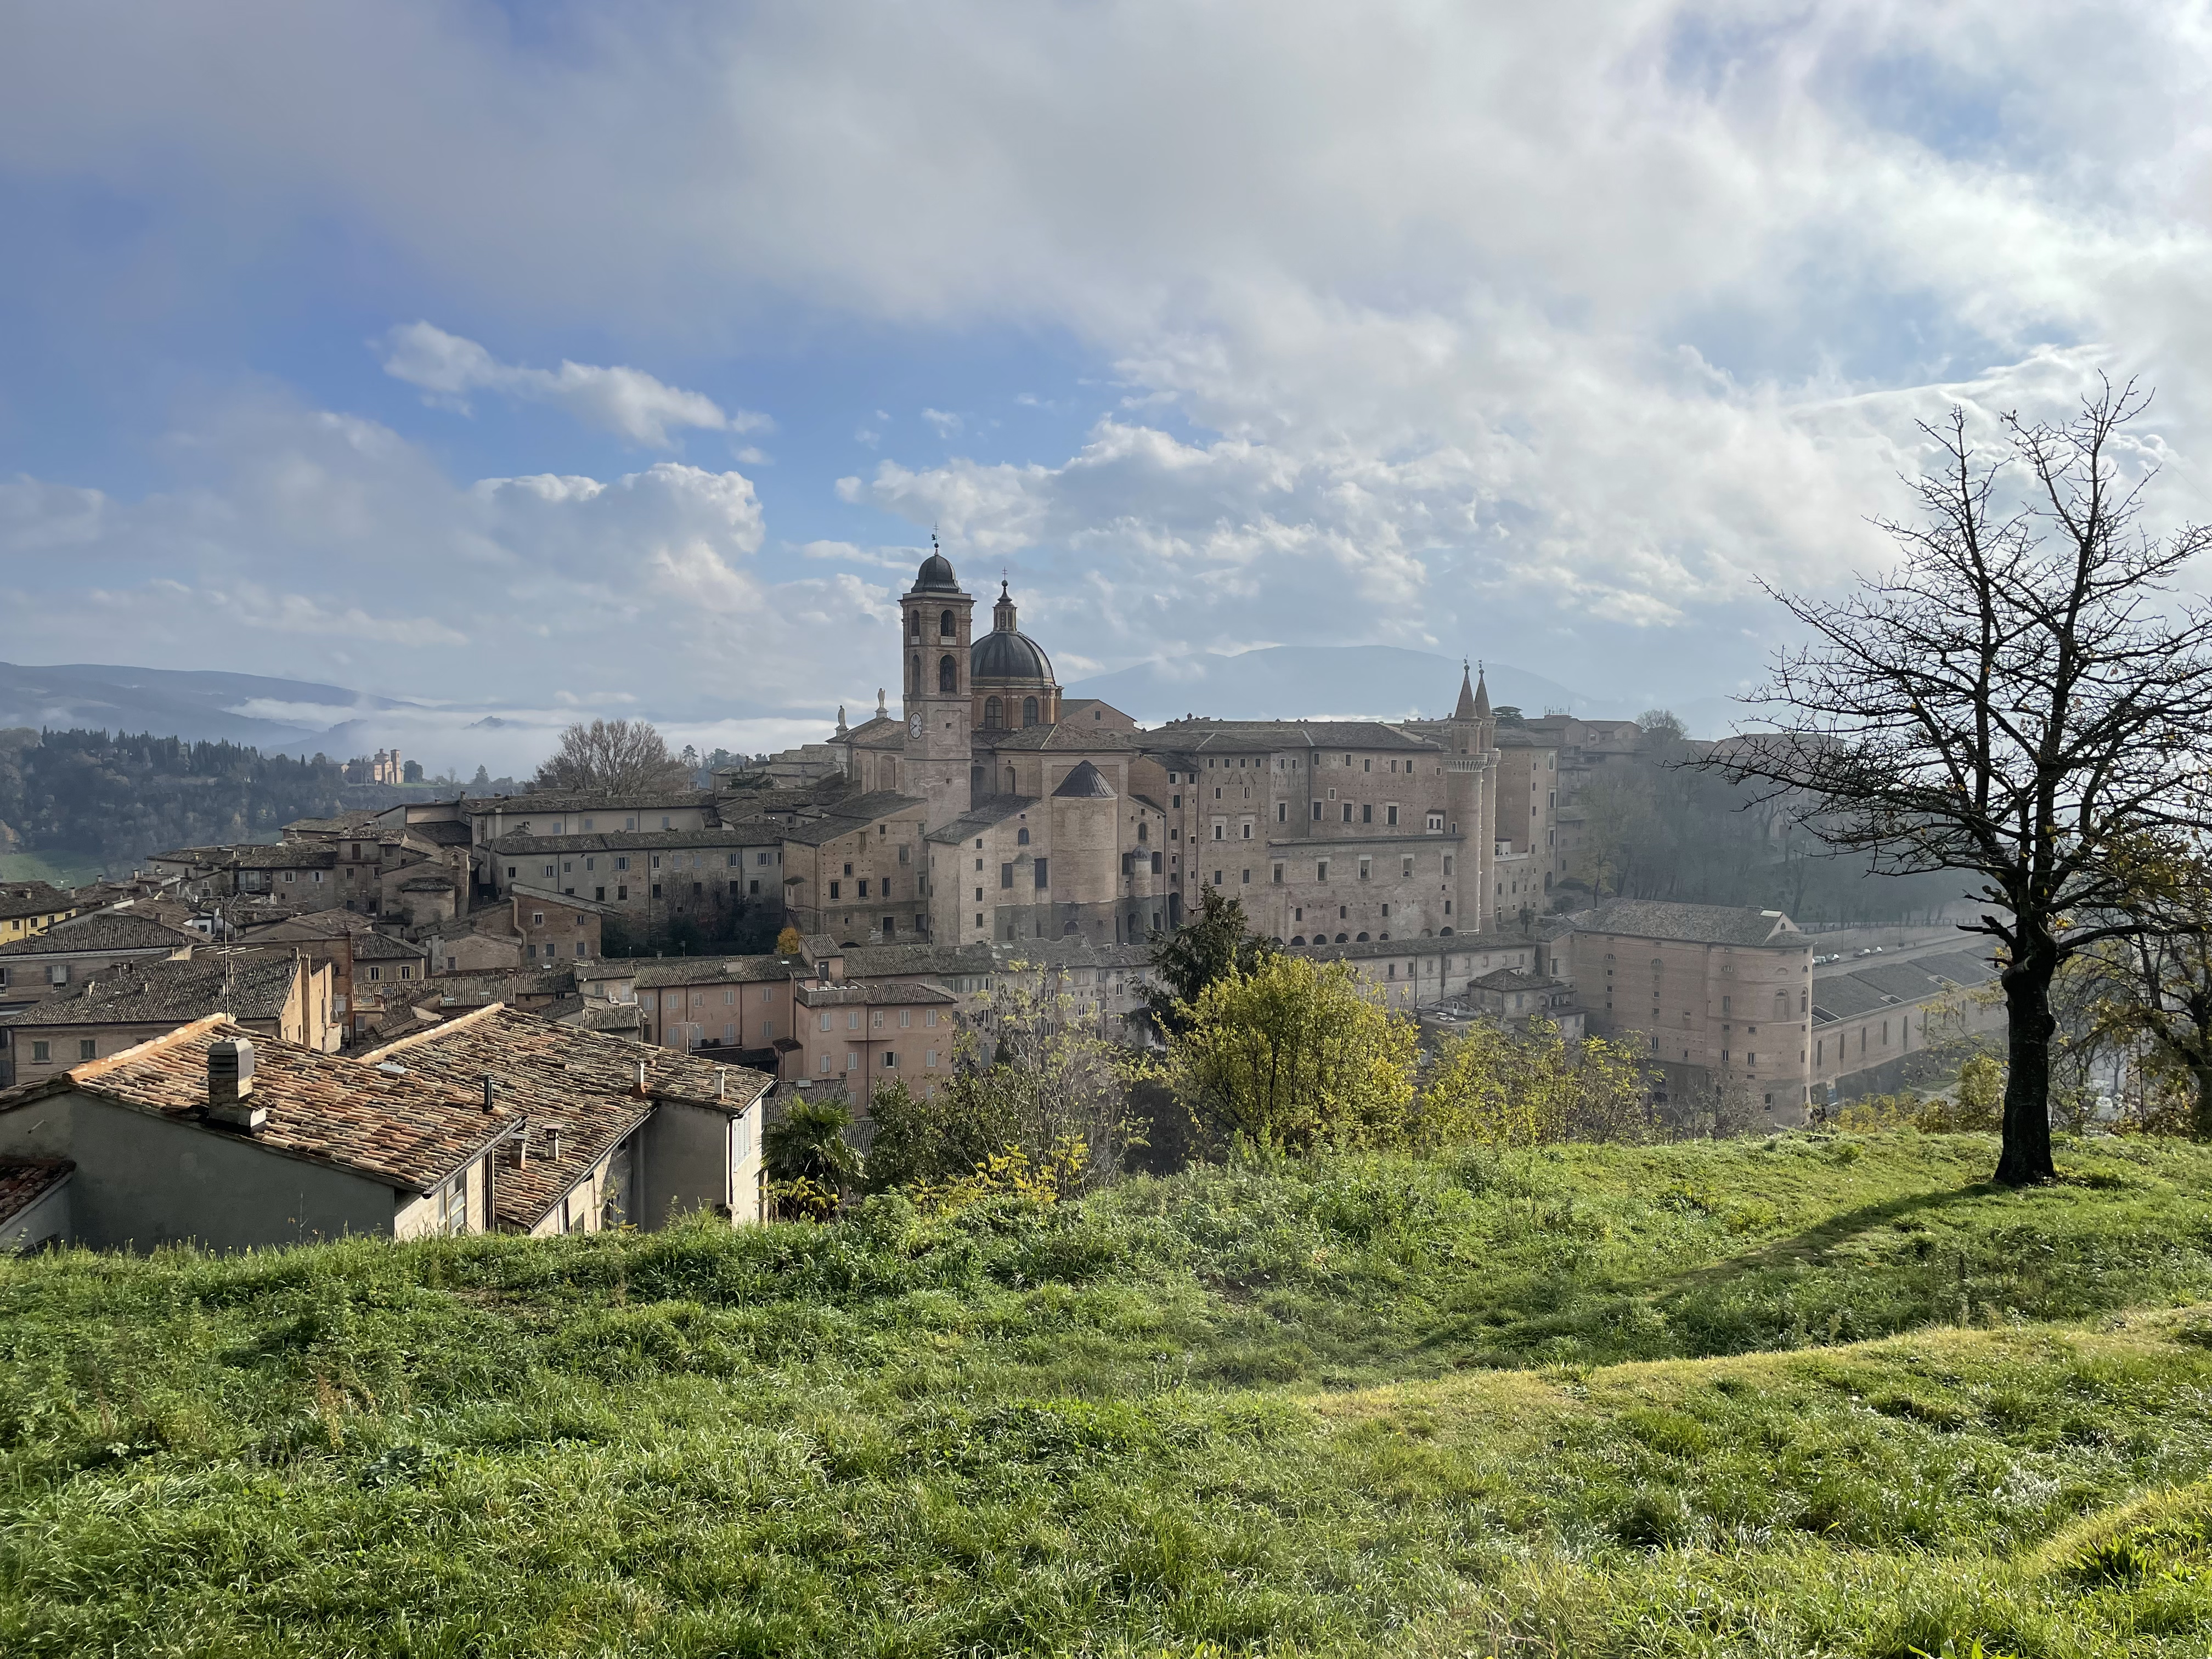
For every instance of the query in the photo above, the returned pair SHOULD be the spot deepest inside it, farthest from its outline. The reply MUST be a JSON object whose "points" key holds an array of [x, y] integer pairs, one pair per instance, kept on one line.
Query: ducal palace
{"points": [[992, 808]]}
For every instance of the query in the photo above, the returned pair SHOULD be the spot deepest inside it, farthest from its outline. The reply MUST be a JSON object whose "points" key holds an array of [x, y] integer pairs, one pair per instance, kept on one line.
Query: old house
{"points": [[285, 997], [208, 1135]]}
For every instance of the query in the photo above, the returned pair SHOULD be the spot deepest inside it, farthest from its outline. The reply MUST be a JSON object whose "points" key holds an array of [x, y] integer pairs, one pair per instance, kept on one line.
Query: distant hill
{"points": [[1285, 682], [198, 705]]}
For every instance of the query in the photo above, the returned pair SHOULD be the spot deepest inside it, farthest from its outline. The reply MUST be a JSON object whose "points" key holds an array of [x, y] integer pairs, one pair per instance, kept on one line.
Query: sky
{"points": [[550, 360]]}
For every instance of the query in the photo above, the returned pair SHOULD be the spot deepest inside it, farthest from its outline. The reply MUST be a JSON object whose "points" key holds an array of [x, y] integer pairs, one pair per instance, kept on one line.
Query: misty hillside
{"points": [[1287, 682], [198, 705]]}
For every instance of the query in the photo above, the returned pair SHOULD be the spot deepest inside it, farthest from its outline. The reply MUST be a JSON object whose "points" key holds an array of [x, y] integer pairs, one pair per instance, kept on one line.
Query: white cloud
{"points": [[1554, 323], [626, 402], [332, 550], [944, 425]]}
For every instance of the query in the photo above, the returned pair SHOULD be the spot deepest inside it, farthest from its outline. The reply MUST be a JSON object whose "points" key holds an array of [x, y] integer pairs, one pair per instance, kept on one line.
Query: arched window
{"points": [[1143, 832], [1021, 837], [1297, 939], [944, 629], [913, 625], [1363, 939], [1029, 711], [1340, 938], [913, 677], [991, 712], [1067, 929], [948, 674]]}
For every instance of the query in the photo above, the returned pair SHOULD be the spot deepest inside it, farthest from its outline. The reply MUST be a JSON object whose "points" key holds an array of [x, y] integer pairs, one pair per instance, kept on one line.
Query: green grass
{"points": [[1801, 1396], [60, 868]]}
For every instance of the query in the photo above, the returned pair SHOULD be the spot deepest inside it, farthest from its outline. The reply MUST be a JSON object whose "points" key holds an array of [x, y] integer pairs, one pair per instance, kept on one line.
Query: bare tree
{"points": [[2014, 702], [612, 756]]}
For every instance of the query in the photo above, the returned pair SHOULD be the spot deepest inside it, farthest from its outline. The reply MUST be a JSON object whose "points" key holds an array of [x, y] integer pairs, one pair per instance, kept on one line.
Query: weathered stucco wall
{"points": [[142, 1181]]}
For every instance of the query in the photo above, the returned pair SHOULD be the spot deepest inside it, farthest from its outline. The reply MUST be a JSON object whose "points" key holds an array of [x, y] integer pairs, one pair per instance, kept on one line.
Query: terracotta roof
{"points": [[34, 898], [851, 816], [658, 801], [1707, 924], [1512, 979], [1197, 737], [357, 823], [654, 972], [547, 895], [409, 1131], [287, 855], [990, 810], [25, 1181], [516, 844], [316, 925], [1084, 782], [585, 1081], [1063, 735], [149, 992], [110, 930]]}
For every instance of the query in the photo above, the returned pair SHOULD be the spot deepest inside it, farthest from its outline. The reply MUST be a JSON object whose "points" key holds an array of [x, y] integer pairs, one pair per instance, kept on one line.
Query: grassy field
{"points": [[61, 869], [1802, 1397]]}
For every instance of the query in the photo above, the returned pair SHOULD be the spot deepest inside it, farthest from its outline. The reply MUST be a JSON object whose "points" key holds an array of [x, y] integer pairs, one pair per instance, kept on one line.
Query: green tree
{"points": [[1032, 1079], [1294, 1054], [809, 1162], [1212, 945], [1498, 1088]]}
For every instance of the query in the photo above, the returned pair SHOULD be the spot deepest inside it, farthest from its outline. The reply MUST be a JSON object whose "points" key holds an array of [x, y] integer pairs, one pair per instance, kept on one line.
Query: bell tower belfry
{"points": [[934, 621]]}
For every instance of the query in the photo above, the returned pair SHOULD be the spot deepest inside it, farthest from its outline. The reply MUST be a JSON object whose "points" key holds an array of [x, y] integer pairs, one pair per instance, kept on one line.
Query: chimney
{"points": [[488, 1104], [641, 1079], [553, 1143], [230, 1085]]}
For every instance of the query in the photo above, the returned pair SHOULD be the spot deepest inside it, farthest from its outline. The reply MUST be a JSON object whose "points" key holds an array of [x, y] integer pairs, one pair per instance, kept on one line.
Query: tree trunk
{"points": [[2024, 1158]]}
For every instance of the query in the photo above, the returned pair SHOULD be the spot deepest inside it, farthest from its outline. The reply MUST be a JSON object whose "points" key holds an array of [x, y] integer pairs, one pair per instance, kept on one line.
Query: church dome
{"points": [[1004, 655], [935, 576]]}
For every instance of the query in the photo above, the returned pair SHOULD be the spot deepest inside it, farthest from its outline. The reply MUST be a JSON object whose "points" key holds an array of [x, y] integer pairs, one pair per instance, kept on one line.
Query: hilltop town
{"points": [[892, 877]]}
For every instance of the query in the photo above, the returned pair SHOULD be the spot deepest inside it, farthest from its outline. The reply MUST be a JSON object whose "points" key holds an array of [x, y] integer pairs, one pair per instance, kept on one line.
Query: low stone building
{"points": [[29, 908], [1872, 1019], [70, 952], [285, 997], [616, 1134], [1713, 995], [168, 1146]]}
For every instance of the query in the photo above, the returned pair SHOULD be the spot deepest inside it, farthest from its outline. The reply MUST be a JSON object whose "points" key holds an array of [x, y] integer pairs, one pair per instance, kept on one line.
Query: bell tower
{"points": [[934, 621]]}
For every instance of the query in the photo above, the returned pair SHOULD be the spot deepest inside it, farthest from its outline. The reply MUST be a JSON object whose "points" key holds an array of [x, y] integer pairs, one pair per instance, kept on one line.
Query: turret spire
{"points": [[1466, 708], [1481, 695]]}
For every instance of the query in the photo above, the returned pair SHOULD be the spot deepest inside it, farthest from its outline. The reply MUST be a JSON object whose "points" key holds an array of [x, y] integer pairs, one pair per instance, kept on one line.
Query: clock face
{"points": [[913, 725]]}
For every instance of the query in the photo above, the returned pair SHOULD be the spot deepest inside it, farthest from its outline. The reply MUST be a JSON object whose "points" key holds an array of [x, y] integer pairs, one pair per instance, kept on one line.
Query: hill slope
{"points": [[197, 706], [1775, 1397], [1285, 682]]}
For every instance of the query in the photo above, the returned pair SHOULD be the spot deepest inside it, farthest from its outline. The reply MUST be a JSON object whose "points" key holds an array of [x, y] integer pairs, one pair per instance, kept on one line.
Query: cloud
{"points": [[331, 549], [626, 402], [1433, 326], [944, 425]]}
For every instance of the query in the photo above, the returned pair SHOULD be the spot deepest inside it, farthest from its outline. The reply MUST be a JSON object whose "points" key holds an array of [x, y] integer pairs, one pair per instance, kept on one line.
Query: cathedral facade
{"points": [[1043, 817]]}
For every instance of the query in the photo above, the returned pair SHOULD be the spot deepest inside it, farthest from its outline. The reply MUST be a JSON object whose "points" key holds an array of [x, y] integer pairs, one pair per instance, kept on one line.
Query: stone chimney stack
{"points": [[230, 1085]]}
